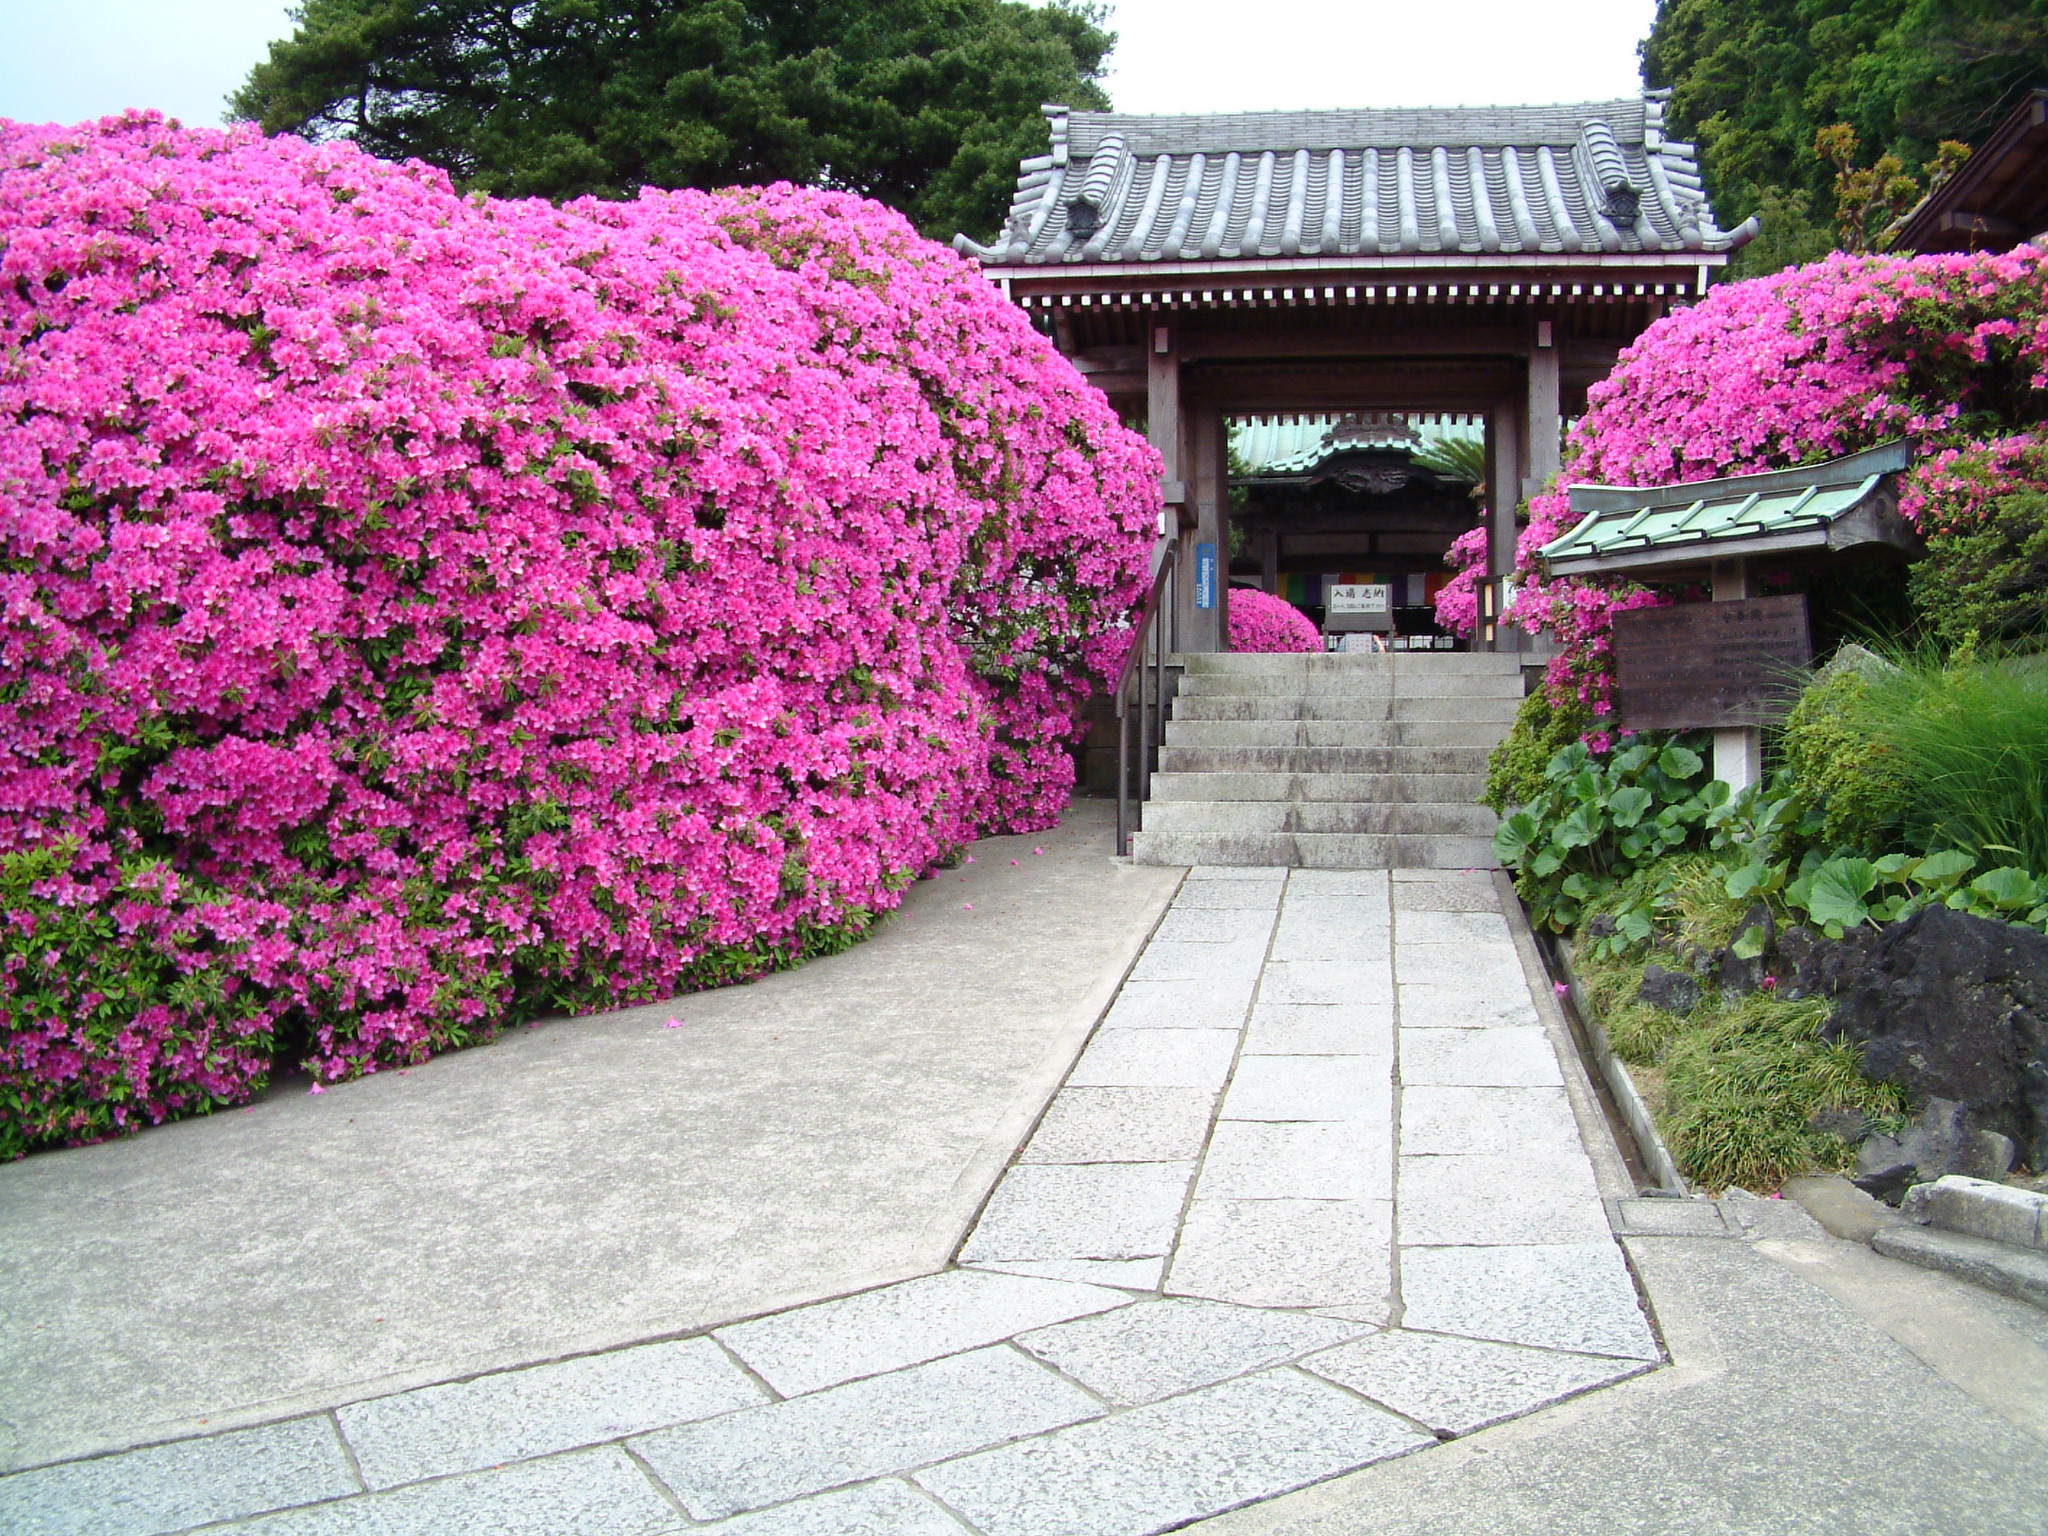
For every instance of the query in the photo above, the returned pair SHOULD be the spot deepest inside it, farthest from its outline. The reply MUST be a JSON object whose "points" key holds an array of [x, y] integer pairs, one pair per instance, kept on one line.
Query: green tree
{"points": [[926, 105], [1756, 82]]}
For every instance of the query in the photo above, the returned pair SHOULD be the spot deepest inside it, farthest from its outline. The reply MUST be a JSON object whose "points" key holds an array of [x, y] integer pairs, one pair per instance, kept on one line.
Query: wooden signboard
{"points": [[1701, 666]]}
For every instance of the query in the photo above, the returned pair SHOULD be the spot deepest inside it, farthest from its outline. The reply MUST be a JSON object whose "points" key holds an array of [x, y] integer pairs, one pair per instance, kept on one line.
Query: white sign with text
{"points": [[1377, 598]]}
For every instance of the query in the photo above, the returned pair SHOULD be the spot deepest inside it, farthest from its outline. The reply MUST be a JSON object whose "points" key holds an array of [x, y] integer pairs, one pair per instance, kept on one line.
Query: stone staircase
{"points": [[1330, 761]]}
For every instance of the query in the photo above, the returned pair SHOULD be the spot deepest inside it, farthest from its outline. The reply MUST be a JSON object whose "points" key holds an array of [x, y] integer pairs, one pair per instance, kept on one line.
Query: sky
{"points": [[64, 60]]}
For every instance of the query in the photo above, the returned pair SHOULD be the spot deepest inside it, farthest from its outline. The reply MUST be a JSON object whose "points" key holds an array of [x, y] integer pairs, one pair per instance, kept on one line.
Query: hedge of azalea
{"points": [[1950, 352], [1260, 621], [420, 612]]}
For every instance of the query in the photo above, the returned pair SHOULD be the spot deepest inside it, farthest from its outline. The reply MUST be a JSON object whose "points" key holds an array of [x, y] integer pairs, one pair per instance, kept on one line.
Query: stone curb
{"points": [[2016, 1272], [1997, 1213], [1614, 1072]]}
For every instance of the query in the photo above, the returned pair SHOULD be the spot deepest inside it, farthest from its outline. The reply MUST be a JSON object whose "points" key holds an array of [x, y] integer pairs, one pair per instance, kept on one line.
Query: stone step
{"points": [[1371, 685], [1996, 1212], [1322, 760], [2021, 1273], [1499, 712], [1421, 787], [1334, 733], [1394, 818], [1314, 850], [1417, 663]]}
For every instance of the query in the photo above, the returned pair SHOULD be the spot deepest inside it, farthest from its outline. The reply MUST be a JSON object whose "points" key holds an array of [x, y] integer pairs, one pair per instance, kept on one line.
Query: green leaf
{"points": [[1626, 806], [1942, 870], [1546, 864], [1836, 898], [1511, 839], [1577, 829], [2009, 889], [1749, 943], [1680, 762], [1742, 880]]}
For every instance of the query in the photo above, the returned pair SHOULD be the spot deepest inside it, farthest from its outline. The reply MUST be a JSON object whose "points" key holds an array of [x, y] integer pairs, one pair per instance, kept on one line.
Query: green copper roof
{"points": [[1832, 505]]}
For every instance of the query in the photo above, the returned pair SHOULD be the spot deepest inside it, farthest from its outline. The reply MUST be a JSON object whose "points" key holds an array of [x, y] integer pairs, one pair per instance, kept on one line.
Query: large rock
{"points": [[1950, 1007], [1673, 991]]}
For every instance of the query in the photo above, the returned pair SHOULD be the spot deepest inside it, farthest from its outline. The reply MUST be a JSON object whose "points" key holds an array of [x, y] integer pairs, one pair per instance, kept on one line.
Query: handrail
{"points": [[1149, 633]]}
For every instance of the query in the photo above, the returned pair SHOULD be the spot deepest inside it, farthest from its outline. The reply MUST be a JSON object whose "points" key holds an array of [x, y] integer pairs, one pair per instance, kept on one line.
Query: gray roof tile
{"points": [[1599, 177]]}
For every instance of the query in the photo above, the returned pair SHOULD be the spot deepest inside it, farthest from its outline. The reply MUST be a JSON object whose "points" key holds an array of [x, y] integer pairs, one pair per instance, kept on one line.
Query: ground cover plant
{"points": [[420, 613], [1260, 621]]}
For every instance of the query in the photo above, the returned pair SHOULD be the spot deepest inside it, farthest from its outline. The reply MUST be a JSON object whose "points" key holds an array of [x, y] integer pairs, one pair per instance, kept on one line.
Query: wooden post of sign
{"points": [[1738, 750]]}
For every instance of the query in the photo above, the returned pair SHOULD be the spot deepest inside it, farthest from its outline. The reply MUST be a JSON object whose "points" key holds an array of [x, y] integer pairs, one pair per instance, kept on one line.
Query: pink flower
{"points": [[616, 595], [1261, 622]]}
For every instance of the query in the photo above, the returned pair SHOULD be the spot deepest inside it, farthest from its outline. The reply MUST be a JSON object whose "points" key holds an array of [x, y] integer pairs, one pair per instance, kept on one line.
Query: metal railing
{"points": [[1149, 648]]}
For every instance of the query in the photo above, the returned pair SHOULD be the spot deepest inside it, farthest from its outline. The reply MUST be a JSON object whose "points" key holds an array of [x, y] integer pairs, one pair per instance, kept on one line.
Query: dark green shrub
{"points": [[1988, 584], [1835, 762], [1543, 725]]}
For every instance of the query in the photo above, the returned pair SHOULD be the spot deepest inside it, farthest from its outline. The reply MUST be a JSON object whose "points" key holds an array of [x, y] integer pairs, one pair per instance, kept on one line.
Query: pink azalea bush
{"points": [[1260, 621], [1950, 352], [422, 612]]}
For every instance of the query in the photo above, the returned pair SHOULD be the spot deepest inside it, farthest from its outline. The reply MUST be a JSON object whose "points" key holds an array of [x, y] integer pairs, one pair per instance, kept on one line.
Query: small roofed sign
{"points": [[1710, 666]]}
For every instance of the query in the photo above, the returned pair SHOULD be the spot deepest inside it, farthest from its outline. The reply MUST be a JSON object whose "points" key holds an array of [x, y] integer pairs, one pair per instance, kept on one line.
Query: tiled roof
{"points": [[1596, 178], [1833, 505]]}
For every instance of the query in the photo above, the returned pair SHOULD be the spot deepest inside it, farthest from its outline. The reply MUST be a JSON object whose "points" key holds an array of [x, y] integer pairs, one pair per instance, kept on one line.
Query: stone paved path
{"points": [[1313, 1196]]}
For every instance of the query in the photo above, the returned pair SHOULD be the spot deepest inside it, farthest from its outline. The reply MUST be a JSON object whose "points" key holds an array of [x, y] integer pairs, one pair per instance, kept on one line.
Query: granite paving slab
{"points": [[1428, 926], [1128, 1274], [1342, 980], [598, 1492], [1287, 1253], [1227, 895], [1084, 1211], [514, 1415], [1445, 896], [1312, 1088], [1156, 1058], [1320, 1029], [1177, 1297], [1312, 1160], [1183, 1004], [1458, 1385], [1455, 1120], [191, 1482], [1159, 1466], [1456, 1201], [863, 1430], [1123, 1125], [1478, 1058], [900, 1325], [1222, 965], [886, 1508], [1158, 1348], [1575, 1296], [1209, 925]]}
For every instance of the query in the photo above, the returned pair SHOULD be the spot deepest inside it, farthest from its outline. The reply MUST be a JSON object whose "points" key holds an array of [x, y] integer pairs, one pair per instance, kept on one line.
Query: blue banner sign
{"points": [[1205, 575]]}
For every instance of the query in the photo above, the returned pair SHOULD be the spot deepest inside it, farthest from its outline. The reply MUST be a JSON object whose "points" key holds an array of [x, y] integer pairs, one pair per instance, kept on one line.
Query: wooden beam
{"points": [[1456, 340]]}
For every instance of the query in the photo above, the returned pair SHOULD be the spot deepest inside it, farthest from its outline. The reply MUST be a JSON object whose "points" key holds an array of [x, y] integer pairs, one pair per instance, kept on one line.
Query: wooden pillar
{"points": [[1738, 750], [1163, 419], [1545, 409], [1504, 464], [1203, 629]]}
